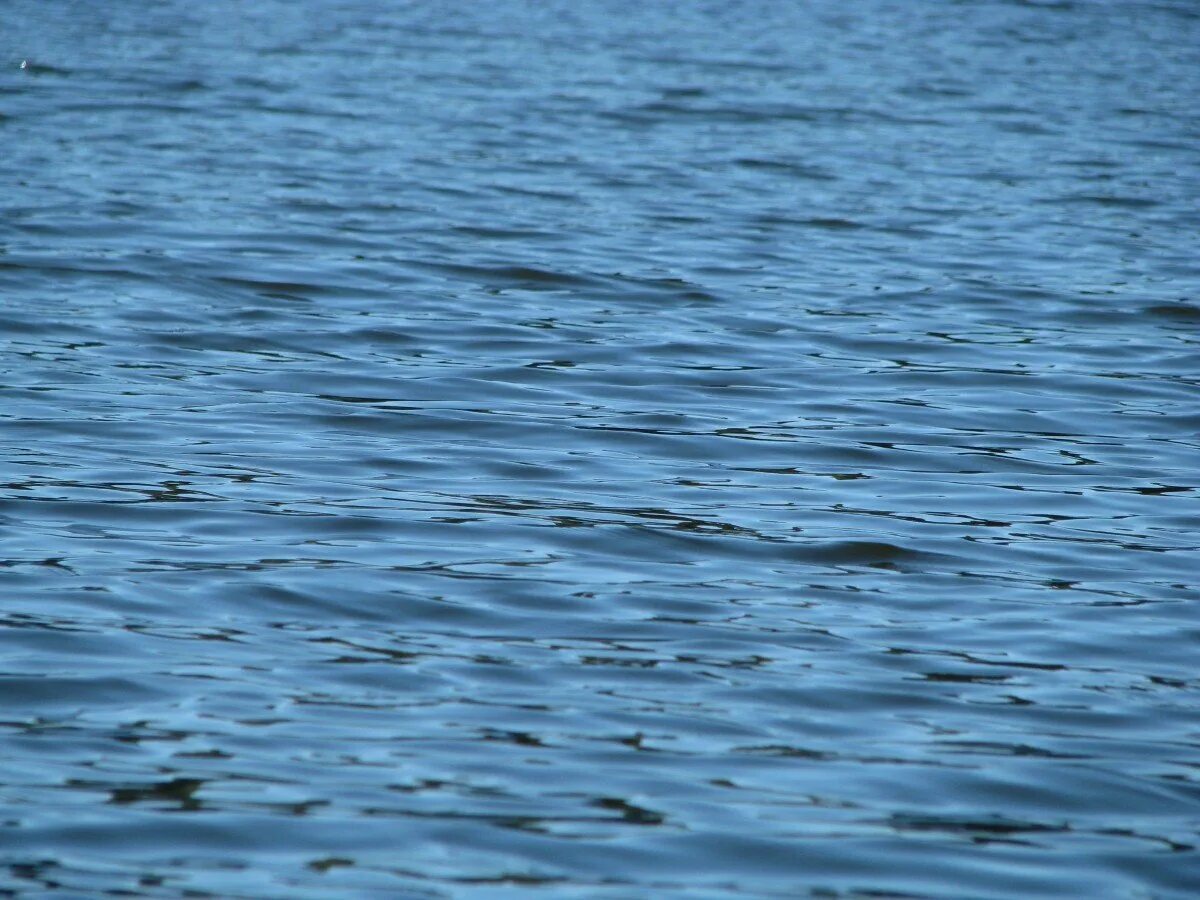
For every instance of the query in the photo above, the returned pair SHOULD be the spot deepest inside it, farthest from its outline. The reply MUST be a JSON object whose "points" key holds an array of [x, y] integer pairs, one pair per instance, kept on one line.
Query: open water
{"points": [[608, 449]]}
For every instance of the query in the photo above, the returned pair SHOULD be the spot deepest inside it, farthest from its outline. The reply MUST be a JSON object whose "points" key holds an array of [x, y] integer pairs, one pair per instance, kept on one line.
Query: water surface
{"points": [[599, 450]]}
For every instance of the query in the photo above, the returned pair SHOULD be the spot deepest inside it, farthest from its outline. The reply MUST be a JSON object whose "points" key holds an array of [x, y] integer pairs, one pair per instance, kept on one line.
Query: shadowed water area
{"points": [[710, 450]]}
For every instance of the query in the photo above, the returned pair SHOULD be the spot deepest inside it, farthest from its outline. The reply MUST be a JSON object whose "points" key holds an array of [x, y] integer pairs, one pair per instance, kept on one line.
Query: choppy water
{"points": [[604, 450]]}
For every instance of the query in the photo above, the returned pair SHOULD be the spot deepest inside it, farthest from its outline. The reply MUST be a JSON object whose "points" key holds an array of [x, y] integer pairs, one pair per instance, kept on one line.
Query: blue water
{"points": [[707, 450]]}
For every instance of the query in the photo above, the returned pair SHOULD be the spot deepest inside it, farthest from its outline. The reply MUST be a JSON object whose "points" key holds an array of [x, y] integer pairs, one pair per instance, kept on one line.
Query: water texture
{"points": [[609, 449]]}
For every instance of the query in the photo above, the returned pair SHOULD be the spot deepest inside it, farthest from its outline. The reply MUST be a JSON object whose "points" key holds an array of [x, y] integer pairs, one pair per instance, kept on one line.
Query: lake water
{"points": [[693, 449]]}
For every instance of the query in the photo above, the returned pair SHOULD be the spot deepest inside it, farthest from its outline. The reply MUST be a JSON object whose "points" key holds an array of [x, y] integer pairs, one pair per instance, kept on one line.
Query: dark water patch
{"points": [[30, 67], [791, 169], [511, 276], [1124, 202], [833, 224], [1179, 311]]}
